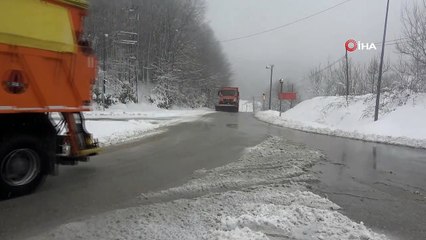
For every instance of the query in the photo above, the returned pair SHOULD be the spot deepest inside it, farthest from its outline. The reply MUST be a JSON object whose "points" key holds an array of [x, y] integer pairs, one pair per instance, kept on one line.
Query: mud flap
{"points": [[82, 144]]}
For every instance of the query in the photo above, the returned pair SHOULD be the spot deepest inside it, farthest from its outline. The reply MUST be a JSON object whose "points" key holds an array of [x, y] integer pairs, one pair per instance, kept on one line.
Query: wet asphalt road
{"points": [[383, 186]]}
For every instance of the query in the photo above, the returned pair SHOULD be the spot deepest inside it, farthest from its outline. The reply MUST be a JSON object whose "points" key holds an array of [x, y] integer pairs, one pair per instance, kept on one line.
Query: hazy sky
{"points": [[296, 49]]}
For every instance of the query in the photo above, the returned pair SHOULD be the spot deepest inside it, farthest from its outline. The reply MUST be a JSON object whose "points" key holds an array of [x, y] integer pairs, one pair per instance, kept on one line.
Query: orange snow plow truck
{"points": [[229, 99], [46, 72]]}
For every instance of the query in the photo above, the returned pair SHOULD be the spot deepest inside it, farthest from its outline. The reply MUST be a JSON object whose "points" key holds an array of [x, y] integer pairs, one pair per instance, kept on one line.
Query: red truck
{"points": [[229, 99], [45, 67]]}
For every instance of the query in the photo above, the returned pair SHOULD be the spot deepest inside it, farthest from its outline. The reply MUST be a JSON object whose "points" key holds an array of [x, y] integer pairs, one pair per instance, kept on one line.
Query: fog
{"points": [[296, 49]]}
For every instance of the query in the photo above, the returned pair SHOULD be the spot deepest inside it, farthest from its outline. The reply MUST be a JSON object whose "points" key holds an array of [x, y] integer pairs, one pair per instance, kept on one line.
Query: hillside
{"points": [[401, 120]]}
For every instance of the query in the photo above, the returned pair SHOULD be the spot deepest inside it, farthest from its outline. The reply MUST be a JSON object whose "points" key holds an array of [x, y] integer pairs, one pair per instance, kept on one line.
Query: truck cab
{"points": [[229, 99]]}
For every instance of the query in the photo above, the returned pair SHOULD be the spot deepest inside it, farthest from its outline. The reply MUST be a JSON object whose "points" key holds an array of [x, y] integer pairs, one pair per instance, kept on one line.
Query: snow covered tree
{"points": [[168, 48]]}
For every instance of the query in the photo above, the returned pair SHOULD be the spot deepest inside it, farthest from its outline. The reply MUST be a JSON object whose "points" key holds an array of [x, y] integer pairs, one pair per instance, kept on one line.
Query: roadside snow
{"points": [[142, 111], [401, 119], [114, 132], [247, 105], [273, 161], [264, 195], [122, 123]]}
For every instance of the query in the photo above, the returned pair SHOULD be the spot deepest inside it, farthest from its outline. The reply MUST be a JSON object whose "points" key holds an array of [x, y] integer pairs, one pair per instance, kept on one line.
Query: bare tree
{"points": [[414, 32], [372, 73], [316, 78], [411, 69], [331, 81]]}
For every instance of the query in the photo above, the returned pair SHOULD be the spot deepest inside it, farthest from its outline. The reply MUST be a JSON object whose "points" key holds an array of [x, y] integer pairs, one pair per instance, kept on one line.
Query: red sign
{"points": [[351, 45], [287, 96]]}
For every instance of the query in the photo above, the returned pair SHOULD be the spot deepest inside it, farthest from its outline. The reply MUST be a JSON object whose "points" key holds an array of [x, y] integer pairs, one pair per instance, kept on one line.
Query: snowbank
{"points": [[123, 123], [401, 120], [247, 105], [114, 132], [142, 111], [261, 196]]}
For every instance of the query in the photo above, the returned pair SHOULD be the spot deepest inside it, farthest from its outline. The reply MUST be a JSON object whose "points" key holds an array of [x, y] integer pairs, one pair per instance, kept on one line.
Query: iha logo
{"points": [[352, 45]]}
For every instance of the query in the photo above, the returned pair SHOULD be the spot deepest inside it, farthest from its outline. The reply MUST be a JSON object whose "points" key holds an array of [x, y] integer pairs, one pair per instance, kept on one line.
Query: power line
{"points": [[329, 66], [287, 24], [393, 42], [390, 42]]}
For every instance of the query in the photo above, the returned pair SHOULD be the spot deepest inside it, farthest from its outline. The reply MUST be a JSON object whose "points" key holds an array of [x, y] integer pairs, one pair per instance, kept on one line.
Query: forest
{"points": [[161, 51]]}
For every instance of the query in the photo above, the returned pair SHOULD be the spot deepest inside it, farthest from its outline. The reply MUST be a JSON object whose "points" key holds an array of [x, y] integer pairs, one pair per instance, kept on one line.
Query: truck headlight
{"points": [[66, 149]]}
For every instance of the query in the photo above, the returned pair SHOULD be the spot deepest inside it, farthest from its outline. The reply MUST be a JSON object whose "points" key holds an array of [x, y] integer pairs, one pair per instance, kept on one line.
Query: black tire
{"points": [[23, 164]]}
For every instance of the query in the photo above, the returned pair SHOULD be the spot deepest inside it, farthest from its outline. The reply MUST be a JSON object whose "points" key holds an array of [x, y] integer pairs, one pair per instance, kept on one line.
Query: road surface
{"points": [[378, 184]]}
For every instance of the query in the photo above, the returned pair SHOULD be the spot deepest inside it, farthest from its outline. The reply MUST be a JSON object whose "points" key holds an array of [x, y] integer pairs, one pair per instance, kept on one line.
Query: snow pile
{"points": [[401, 119], [142, 111], [122, 123], [115, 132], [247, 105], [264, 212], [273, 161], [263, 203]]}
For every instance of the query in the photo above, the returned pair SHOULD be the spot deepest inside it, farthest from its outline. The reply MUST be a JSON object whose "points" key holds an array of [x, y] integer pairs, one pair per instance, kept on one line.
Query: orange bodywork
{"points": [[39, 80]]}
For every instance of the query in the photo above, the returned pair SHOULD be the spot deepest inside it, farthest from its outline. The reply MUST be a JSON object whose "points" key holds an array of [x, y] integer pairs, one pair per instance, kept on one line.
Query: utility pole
{"points": [[270, 85], [137, 84], [379, 82], [128, 42], [292, 90], [104, 67], [254, 105], [281, 91], [347, 77]]}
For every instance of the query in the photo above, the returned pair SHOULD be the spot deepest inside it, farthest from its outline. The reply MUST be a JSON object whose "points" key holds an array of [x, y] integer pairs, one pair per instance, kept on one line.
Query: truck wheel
{"points": [[21, 166]]}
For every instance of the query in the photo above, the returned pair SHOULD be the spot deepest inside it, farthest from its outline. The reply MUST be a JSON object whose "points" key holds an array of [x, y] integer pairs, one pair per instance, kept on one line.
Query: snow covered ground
{"points": [[247, 105], [122, 123], [401, 120], [264, 195]]}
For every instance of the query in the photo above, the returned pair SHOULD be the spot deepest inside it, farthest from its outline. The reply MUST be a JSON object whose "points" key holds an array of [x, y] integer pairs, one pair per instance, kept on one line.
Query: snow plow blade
{"points": [[226, 108]]}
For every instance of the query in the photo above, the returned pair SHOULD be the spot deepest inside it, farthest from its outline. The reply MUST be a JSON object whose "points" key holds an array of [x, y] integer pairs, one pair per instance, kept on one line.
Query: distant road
{"points": [[378, 184]]}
